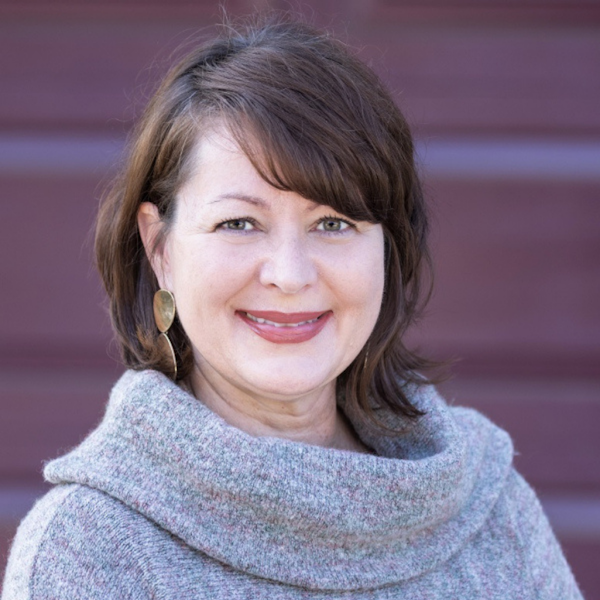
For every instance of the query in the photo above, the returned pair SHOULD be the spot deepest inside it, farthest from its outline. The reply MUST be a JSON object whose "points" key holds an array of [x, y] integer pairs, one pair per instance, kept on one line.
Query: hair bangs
{"points": [[294, 160]]}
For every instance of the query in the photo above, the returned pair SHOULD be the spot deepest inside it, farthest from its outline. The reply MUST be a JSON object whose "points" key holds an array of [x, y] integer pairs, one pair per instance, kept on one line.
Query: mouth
{"points": [[284, 322], [285, 328]]}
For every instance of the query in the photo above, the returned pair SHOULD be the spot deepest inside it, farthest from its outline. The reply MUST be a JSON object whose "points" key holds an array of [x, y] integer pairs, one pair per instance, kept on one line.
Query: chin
{"points": [[289, 385]]}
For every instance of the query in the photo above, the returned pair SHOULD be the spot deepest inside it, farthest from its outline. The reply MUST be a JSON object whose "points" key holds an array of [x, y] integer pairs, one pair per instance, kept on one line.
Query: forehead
{"points": [[220, 174], [247, 151], [217, 162]]}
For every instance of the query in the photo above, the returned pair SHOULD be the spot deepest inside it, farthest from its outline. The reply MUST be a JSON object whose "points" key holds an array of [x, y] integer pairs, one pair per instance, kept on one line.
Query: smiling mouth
{"points": [[277, 324], [285, 328]]}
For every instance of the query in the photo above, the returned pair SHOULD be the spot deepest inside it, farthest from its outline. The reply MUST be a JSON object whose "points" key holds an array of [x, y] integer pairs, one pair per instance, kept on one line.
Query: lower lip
{"points": [[286, 335]]}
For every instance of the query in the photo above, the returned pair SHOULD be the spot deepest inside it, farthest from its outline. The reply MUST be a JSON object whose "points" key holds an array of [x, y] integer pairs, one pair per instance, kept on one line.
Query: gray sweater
{"points": [[165, 500]]}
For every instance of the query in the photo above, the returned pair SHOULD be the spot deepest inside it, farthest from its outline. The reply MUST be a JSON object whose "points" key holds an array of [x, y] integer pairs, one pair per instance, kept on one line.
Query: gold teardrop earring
{"points": [[164, 315]]}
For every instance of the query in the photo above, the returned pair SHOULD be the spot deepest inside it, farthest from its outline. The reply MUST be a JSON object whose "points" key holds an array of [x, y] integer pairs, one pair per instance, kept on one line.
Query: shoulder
{"points": [[519, 516], [75, 543]]}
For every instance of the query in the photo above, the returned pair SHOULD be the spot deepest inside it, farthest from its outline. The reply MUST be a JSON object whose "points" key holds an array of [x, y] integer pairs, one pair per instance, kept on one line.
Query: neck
{"points": [[311, 419]]}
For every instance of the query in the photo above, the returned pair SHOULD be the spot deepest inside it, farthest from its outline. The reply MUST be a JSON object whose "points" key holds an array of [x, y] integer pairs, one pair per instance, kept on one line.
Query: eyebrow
{"points": [[255, 200], [243, 197]]}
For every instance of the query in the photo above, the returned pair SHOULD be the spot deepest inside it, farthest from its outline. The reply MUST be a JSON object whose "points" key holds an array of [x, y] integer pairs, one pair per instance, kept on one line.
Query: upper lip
{"points": [[281, 317]]}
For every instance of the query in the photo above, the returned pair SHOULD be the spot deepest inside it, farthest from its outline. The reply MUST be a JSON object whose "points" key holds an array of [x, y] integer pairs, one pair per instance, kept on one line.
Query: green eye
{"points": [[333, 224], [237, 225]]}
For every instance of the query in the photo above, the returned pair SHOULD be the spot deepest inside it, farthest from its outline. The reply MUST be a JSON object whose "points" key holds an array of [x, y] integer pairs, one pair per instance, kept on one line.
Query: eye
{"points": [[245, 224], [333, 224]]}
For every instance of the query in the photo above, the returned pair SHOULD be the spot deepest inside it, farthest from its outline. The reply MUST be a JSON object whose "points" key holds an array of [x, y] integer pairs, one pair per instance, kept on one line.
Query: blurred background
{"points": [[504, 100]]}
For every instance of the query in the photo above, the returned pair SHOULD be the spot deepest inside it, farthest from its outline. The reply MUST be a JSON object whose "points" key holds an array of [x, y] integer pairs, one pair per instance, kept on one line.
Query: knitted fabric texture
{"points": [[166, 500]]}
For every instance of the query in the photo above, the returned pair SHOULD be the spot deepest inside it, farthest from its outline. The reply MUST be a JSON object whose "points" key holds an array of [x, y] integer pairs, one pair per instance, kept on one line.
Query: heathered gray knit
{"points": [[165, 500]]}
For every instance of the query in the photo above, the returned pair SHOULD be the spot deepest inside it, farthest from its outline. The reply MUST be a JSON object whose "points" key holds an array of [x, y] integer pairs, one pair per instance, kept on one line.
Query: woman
{"points": [[273, 437]]}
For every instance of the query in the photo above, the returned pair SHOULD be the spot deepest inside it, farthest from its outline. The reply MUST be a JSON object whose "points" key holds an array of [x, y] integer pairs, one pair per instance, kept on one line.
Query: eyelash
{"points": [[222, 224], [334, 218], [250, 220]]}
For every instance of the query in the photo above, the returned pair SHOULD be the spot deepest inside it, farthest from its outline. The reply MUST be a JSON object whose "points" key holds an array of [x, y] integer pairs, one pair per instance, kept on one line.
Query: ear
{"points": [[150, 226]]}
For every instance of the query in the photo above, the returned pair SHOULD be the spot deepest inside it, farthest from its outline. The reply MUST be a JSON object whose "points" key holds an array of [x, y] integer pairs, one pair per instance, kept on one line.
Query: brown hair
{"points": [[313, 119]]}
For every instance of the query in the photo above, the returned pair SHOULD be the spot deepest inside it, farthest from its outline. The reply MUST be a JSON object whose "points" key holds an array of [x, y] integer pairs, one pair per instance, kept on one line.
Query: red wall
{"points": [[503, 97]]}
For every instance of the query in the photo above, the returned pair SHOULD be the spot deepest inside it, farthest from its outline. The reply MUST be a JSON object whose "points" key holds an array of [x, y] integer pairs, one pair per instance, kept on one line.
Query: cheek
{"points": [[361, 281], [206, 278], [372, 292]]}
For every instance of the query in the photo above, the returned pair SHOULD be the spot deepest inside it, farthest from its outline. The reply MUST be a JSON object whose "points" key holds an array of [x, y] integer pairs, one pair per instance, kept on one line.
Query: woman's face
{"points": [[276, 293]]}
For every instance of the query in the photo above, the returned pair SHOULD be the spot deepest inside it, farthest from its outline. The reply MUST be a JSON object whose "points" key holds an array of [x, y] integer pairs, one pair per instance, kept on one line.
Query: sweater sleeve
{"points": [[75, 544], [543, 558]]}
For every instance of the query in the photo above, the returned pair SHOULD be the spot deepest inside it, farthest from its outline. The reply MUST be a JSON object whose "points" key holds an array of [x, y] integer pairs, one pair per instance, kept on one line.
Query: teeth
{"points": [[262, 321]]}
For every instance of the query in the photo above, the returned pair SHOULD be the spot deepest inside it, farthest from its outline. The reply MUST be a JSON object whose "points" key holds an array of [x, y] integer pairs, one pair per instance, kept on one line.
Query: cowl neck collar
{"points": [[286, 511]]}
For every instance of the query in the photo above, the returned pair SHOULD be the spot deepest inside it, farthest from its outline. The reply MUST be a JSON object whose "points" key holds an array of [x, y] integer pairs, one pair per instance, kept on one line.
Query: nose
{"points": [[289, 265]]}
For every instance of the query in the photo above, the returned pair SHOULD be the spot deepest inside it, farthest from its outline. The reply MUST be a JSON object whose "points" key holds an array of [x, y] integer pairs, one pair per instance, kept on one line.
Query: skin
{"points": [[236, 245]]}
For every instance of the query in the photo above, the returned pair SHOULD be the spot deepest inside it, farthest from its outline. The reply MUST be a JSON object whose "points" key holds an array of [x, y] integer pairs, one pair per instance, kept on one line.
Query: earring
{"points": [[164, 315]]}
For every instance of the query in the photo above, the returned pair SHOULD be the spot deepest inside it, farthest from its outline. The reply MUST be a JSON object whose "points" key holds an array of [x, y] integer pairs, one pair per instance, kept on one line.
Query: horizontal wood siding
{"points": [[503, 98]]}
